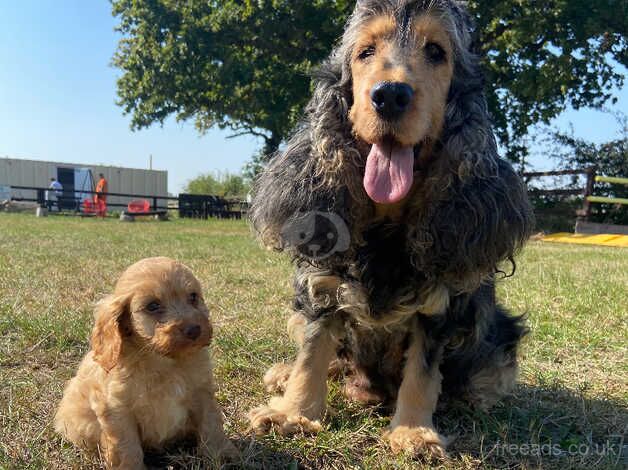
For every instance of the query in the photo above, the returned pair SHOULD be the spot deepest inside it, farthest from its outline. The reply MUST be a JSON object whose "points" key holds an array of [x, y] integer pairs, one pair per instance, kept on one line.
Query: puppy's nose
{"points": [[192, 331], [391, 99]]}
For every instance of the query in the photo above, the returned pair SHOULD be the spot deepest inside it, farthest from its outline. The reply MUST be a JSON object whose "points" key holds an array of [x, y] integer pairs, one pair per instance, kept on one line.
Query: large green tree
{"points": [[237, 64], [245, 64], [545, 55]]}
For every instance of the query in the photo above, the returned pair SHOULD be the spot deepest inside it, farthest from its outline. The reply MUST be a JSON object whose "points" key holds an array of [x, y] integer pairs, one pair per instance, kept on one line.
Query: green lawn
{"points": [[573, 392]]}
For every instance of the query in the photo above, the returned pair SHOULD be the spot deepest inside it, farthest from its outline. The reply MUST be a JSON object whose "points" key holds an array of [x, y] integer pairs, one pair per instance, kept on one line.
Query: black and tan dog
{"points": [[398, 210]]}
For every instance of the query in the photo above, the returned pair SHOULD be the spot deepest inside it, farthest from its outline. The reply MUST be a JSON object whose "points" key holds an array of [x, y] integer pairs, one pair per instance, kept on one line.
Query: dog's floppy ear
{"points": [[107, 335], [483, 216], [295, 181], [467, 135]]}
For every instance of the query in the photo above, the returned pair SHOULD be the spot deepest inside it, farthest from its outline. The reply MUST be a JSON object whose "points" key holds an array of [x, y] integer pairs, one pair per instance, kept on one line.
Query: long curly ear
{"points": [[310, 174], [108, 332], [473, 225], [467, 135], [480, 214]]}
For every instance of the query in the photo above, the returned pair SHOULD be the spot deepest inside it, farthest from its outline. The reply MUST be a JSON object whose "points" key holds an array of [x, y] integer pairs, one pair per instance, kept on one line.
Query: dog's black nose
{"points": [[391, 99], [192, 331]]}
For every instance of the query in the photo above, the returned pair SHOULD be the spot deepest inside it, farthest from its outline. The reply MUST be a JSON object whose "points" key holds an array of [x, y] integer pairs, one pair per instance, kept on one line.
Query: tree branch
{"points": [[246, 130]]}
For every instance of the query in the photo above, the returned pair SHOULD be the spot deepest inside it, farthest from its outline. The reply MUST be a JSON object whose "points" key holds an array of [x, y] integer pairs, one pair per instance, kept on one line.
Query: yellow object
{"points": [[611, 179], [610, 200], [583, 239]]}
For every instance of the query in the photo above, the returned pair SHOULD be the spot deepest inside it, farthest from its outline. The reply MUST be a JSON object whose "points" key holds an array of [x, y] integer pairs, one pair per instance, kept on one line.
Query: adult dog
{"points": [[396, 163]]}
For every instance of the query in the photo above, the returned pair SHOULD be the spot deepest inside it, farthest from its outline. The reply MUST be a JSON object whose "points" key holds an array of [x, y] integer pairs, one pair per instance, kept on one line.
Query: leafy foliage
{"points": [[245, 64], [545, 55], [227, 185], [236, 64]]}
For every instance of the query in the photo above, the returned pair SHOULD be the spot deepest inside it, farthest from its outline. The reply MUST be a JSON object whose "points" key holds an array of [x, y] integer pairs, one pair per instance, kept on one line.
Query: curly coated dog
{"points": [[398, 211]]}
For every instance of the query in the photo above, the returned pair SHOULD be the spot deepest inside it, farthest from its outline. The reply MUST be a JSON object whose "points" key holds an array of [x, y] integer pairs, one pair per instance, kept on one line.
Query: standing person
{"points": [[100, 198], [55, 191]]}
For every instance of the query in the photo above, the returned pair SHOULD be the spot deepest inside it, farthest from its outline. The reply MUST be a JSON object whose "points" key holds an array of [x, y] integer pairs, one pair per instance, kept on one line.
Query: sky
{"points": [[58, 94]]}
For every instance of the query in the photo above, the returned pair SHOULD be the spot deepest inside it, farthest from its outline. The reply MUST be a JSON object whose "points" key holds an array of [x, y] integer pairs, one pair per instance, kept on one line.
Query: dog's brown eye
{"points": [[193, 298], [367, 52], [435, 54], [153, 307]]}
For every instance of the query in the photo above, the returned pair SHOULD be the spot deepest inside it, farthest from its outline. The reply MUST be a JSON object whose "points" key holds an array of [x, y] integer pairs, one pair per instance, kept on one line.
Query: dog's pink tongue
{"points": [[389, 172]]}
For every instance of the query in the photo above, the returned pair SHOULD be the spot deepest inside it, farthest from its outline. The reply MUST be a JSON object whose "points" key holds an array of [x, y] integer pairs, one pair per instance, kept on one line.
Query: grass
{"points": [[572, 399]]}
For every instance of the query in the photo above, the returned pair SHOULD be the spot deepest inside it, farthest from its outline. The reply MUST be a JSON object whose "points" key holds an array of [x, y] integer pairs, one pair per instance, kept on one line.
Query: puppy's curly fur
{"points": [[408, 308], [147, 380]]}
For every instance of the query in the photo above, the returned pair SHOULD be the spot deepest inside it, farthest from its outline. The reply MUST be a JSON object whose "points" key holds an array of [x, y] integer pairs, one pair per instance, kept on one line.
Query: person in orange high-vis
{"points": [[100, 198]]}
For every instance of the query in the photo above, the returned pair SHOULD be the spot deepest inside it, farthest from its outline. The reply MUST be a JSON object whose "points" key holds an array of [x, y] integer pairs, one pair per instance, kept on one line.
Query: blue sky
{"points": [[57, 99]]}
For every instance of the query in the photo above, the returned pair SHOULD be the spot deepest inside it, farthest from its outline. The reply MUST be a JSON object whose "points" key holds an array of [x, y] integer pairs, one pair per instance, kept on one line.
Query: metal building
{"points": [[76, 177]]}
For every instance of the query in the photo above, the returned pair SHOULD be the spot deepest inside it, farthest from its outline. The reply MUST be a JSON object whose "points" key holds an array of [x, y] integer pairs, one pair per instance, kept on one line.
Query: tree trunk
{"points": [[271, 145], [260, 160]]}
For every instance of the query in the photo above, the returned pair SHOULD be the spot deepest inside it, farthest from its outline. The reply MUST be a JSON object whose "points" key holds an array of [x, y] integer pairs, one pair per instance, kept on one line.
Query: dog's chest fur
{"points": [[380, 275], [163, 399], [383, 266]]}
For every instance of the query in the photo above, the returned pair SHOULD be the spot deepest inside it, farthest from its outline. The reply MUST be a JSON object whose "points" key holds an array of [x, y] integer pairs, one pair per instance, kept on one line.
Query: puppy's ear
{"points": [[111, 315]]}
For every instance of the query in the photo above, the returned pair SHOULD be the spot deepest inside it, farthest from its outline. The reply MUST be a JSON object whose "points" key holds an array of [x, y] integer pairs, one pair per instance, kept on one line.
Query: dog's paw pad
{"points": [[418, 441], [297, 423], [276, 378], [265, 419]]}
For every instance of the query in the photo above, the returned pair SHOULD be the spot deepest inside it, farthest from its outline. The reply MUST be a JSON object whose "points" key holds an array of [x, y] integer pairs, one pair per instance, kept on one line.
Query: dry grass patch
{"points": [[574, 381]]}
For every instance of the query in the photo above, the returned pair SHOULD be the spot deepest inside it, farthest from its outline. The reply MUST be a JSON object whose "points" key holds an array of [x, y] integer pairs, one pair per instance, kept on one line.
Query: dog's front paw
{"points": [[276, 378], [265, 419], [418, 441]]}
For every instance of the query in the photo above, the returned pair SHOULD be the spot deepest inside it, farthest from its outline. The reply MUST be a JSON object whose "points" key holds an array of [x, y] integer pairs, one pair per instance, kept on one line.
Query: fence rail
{"points": [[212, 206], [538, 174], [608, 200], [611, 179], [556, 192], [586, 192], [583, 215], [41, 198]]}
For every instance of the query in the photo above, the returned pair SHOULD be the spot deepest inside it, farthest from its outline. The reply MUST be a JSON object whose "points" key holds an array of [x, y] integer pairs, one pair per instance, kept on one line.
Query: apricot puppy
{"points": [[148, 378]]}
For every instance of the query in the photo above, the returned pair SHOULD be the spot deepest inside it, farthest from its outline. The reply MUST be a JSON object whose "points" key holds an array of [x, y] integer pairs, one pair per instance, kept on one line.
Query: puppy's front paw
{"points": [[418, 441], [276, 378], [264, 419]]}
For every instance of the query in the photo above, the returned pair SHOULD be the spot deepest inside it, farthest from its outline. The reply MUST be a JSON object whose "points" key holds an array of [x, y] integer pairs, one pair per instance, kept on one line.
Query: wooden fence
{"points": [[582, 214], [213, 206]]}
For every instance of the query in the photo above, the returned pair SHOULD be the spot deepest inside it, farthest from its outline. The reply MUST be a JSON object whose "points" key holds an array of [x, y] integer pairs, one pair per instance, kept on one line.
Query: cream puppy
{"points": [[147, 379]]}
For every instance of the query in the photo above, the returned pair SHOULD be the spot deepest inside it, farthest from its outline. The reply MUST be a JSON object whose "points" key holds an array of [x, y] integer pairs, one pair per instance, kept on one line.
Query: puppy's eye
{"points": [[153, 307], [435, 53], [193, 298], [366, 53]]}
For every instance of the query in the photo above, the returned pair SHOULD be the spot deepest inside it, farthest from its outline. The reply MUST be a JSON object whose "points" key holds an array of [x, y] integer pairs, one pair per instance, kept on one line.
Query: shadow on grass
{"points": [[541, 427], [255, 455], [551, 427]]}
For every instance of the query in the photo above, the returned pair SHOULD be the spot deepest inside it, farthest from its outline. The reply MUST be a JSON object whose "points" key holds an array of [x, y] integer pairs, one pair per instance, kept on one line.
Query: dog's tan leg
{"points": [[276, 378], [212, 441], [120, 440], [296, 328], [411, 428], [303, 403]]}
